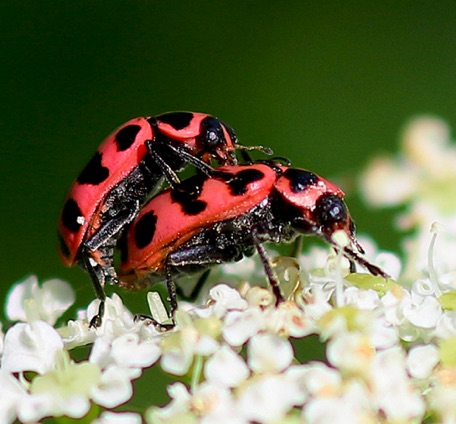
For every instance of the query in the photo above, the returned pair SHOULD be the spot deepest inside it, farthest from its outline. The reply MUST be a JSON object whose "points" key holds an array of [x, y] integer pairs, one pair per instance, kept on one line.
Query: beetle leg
{"points": [[98, 279], [270, 274]]}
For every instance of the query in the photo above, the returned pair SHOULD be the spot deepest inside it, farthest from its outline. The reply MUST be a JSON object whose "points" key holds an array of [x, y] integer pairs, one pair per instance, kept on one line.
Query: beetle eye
{"points": [[330, 210]]}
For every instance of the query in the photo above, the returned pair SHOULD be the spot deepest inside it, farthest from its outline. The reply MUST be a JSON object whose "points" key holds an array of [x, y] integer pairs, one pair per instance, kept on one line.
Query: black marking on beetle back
{"points": [[94, 173], [187, 195], [238, 185], [330, 209], [145, 229], [300, 179], [178, 120], [126, 137], [63, 246], [70, 215]]}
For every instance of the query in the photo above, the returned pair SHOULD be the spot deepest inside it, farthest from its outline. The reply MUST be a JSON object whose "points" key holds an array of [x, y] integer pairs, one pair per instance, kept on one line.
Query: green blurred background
{"points": [[327, 85]]}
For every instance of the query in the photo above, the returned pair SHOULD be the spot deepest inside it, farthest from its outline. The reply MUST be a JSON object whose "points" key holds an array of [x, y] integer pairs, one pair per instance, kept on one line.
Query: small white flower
{"points": [[391, 302], [421, 360], [108, 417], [314, 260], [268, 398], [422, 288], [351, 406], [28, 302], [393, 392], [225, 368], [225, 299], [114, 387], [315, 301], [383, 335], [269, 353], [213, 404], [117, 319], [288, 320], [362, 299], [442, 398], [126, 351], [321, 380], [390, 263], [190, 338], [31, 347], [11, 397], [350, 352], [64, 390], [239, 326], [76, 333], [423, 313], [446, 327], [385, 184], [177, 408]]}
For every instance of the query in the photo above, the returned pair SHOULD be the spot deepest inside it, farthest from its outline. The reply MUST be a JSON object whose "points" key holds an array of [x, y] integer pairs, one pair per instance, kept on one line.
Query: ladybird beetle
{"points": [[223, 218], [129, 164]]}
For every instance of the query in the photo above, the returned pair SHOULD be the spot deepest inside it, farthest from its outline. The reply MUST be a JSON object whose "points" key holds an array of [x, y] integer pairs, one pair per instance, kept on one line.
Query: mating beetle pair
{"points": [[216, 216]]}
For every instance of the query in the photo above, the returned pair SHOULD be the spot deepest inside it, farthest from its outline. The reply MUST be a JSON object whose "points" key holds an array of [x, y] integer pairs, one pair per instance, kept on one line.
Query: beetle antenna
{"points": [[373, 269], [351, 255], [262, 149]]}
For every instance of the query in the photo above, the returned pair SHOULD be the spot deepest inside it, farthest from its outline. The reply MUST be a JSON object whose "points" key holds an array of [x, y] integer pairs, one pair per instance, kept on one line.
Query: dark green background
{"points": [[327, 85]]}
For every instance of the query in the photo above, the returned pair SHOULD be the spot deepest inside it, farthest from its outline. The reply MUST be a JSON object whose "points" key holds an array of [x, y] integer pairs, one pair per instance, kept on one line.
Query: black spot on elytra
{"points": [[126, 137], [300, 179], [63, 246], [187, 194], [330, 209], [94, 173], [178, 120], [145, 229], [70, 215], [238, 185]]}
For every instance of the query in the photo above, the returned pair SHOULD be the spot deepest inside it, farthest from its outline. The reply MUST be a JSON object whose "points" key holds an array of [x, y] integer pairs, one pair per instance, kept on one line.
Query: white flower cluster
{"points": [[389, 349], [389, 353], [423, 180]]}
